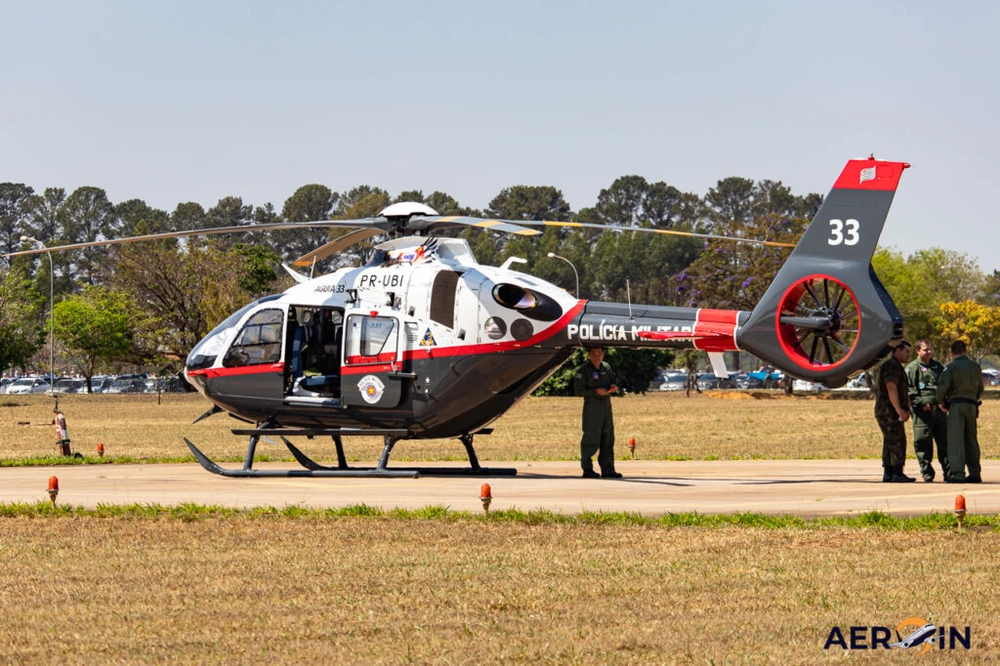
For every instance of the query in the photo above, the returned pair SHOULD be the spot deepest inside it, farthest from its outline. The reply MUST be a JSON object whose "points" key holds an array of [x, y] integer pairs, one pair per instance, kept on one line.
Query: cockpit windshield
{"points": [[205, 352]]}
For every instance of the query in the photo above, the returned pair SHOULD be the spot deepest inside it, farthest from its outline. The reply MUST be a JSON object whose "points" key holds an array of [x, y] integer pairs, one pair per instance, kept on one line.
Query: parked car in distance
{"points": [[707, 381], [674, 381], [134, 385], [27, 385], [67, 385], [100, 383]]}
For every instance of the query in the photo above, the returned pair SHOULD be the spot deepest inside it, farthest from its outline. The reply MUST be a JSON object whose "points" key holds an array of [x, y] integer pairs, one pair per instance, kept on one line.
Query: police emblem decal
{"points": [[371, 388]]}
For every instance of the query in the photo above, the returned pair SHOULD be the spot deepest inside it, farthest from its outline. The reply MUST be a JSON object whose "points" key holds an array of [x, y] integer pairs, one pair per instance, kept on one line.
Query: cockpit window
{"points": [[212, 345], [259, 341]]}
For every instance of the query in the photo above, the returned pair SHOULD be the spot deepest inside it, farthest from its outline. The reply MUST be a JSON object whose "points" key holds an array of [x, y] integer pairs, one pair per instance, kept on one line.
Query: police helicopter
{"points": [[423, 342]]}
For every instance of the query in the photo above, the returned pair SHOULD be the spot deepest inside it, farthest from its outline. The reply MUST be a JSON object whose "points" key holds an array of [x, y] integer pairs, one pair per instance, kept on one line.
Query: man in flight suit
{"points": [[959, 390], [930, 424], [892, 410], [596, 382]]}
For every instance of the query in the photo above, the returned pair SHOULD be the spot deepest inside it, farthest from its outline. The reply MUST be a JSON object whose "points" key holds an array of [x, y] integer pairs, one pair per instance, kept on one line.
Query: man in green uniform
{"points": [[596, 382], [892, 410], [959, 389], [930, 424]]}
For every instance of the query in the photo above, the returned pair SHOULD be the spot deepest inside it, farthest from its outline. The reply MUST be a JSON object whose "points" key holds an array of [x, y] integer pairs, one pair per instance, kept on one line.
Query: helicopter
{"points": [[423, 342]]}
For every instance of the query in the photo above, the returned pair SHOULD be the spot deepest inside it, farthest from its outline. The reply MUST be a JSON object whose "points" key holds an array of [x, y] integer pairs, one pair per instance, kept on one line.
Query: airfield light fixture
{"points": [[53, 489], [553, 255], [486, 496], [52, 317]]}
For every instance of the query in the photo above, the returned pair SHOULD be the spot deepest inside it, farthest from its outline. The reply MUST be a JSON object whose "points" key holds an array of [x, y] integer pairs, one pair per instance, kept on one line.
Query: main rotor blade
{"points": [[336, 245], [250, 228], [506, 226], [671, 232]]}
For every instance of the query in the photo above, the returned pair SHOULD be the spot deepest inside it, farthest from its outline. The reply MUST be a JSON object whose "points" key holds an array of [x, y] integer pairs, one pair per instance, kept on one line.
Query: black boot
{"points": [[899, 477]]}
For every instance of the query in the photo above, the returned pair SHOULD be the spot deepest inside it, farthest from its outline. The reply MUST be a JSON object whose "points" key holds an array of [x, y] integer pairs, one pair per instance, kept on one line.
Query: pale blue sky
{"points": [[193, 101]]}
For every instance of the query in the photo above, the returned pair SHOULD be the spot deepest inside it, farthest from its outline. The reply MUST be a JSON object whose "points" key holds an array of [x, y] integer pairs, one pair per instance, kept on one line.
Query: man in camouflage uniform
{"points": [[930, 424], [892, 410], [596, 382], [959, 390]]}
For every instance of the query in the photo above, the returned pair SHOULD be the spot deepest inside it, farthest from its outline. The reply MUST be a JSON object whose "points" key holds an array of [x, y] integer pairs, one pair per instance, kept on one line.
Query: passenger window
{"points": [[258, 342], [372, 339]]}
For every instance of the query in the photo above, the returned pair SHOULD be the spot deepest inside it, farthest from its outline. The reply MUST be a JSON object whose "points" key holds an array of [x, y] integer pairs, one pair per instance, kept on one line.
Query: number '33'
{"points": [[844, 232]]}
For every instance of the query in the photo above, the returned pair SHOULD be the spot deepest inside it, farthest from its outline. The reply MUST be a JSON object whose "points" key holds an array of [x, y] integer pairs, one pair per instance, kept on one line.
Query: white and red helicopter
{"points": [[424, 342]]}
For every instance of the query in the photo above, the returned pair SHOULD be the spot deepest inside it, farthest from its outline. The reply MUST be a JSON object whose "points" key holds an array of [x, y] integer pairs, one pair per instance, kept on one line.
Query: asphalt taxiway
{"points": [[807, 488]]}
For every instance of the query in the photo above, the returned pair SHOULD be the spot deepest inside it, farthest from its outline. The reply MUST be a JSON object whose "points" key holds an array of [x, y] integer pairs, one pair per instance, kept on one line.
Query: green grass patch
{"points": [[190, 512]]}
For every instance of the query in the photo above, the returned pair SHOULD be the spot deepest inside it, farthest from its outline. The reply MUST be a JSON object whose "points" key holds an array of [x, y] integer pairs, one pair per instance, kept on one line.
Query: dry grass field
{"points": [[241, 590], [440, 588]]}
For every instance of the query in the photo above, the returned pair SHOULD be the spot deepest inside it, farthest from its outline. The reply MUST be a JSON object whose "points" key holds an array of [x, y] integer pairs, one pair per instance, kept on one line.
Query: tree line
{"points": [[147, 304]]}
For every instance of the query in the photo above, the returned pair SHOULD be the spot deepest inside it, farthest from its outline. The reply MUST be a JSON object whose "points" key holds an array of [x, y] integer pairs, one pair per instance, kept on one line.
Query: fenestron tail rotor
{"points": [[818, 322]]}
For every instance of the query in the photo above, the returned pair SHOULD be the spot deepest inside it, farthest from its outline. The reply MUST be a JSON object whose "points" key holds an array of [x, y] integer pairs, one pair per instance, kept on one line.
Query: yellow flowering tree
{"points": [[977, 324]]}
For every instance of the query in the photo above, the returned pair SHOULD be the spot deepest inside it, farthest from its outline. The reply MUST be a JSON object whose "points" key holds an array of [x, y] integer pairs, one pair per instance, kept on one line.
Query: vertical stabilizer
{"points": [[826, 315]]}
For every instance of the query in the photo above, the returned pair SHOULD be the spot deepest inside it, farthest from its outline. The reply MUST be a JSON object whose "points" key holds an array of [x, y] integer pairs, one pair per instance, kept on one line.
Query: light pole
{"points": [[52, 315], [553, 255]]}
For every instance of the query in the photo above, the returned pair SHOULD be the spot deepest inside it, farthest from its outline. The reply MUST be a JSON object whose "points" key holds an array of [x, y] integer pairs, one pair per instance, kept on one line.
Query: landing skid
{"points": [[313, 468]]}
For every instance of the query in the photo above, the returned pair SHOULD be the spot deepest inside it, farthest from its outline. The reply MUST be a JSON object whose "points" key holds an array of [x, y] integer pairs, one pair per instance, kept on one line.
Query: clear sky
{"points": [[197, 100]]}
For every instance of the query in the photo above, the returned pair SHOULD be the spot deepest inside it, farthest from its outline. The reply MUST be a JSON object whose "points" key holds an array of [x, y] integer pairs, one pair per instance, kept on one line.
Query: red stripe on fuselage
{"points": [[472, 350], [260, 369], [870, 175]]}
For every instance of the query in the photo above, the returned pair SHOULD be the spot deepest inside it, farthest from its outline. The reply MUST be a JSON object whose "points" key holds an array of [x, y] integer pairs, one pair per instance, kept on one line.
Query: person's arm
{"points": [[890, 388], [943, 384]]}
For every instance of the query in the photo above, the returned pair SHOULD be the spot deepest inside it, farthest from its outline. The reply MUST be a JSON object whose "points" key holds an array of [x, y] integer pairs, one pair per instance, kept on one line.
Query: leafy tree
{"points": [[188, 216], [735, 275], [87, 216], [257, 273], [360, 202], [977, 324], [526, 202], [922, 282], [43, 213], [21, 332], [137, 218], [43, 220], [309, 203], [635, 369], [730, 204], [229, 212], [631, 201], [447, 205], [181, 293], [93, 327], [13, 199], [991, 289]]}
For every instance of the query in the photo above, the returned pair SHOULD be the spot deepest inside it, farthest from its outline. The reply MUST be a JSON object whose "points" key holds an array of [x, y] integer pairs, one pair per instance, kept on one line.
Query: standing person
{"points": [[930, 424], [596, 382], [62, 431], [958, 392], [892, 410]]}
